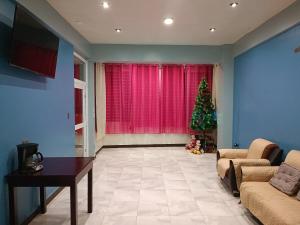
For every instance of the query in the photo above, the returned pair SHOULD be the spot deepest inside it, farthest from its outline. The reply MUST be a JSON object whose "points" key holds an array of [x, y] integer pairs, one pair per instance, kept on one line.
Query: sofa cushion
{"points": [[287, 179], [260, 148], [293, 159], [269, 205], [223, 167]]}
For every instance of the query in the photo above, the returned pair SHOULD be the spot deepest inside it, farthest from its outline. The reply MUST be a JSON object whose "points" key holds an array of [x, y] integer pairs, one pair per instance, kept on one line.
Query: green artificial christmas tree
{"points": [[204, 114]]}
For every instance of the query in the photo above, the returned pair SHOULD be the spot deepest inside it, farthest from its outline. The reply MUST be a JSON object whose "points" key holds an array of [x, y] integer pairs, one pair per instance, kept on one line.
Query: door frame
{"points": [[84, 86]]}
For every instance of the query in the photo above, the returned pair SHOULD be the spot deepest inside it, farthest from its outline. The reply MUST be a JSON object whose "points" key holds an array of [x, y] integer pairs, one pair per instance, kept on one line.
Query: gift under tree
{"points": [[204, 115]]}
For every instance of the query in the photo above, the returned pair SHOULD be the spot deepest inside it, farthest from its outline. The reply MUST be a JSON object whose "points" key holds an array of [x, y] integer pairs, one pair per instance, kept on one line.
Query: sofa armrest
{"points": [[238, 163], [258, 174], [251, 162], [233, 153]]}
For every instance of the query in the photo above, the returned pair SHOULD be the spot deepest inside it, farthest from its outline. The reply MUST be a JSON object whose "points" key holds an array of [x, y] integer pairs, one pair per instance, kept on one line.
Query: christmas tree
{"points": [[204, 114]]}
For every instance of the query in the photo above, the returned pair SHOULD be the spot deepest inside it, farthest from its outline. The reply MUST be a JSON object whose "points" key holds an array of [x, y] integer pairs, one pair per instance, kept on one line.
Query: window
{"points": [[144, 98]]}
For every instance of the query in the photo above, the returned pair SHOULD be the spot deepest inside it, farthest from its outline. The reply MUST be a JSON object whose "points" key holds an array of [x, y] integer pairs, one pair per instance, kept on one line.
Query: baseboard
{"points": [[140, 146], [143, 145], [99, 150], [38, 210]]}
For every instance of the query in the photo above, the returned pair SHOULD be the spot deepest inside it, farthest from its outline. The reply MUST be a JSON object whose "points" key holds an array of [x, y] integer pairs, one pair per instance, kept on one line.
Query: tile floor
{"points": [[151, 186]]}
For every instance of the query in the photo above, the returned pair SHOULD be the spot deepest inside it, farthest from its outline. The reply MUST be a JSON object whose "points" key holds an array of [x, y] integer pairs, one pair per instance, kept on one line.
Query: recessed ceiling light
{"points": [[234, 4], [212, 29], [118, 30], [105, 5], [168, 21]]}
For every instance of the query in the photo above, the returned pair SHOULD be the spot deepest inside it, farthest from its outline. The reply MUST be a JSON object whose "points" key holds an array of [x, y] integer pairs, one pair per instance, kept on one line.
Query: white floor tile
{"points": [[151, 186], [180, 196], [157, 196], [122, 209], [184, 209], [188, 220], [125, 195], [153, 220], [153, 209], [119, 220]]}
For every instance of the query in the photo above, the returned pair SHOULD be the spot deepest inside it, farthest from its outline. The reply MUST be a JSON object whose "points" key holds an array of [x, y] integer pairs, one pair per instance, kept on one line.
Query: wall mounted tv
{"points": [[33, 46]]}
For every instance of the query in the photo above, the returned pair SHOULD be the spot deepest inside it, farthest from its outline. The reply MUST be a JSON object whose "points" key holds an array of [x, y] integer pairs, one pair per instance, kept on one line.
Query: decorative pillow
{"points": [[287, 179]]}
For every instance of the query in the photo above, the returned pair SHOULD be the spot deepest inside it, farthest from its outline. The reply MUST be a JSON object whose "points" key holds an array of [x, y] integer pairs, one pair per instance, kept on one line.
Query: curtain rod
{"points": [[158, 63]]}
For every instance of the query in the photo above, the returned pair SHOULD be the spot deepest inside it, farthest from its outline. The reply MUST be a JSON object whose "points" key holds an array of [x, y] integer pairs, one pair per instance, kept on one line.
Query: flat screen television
{"points": [[33, 46]]}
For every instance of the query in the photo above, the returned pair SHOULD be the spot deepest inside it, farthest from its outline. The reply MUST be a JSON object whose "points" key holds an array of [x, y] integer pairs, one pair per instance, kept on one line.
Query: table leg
{"points": [[74, 207], [12, 205], [43, 200], [90, 191]]}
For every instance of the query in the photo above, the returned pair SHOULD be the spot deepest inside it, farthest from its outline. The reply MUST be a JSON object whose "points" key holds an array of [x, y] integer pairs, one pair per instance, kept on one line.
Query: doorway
{"points": [[80, 103]]}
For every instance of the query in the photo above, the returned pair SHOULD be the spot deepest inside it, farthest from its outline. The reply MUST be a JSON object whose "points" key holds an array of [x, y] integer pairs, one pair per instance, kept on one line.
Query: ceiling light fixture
{"points": [[168, 21], [105, 5], [212, 29], [234, 4], [118, 30]]}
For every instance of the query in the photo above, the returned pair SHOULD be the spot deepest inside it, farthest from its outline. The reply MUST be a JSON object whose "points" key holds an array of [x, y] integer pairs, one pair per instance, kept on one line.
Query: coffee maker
{"points": [[29, 159]]}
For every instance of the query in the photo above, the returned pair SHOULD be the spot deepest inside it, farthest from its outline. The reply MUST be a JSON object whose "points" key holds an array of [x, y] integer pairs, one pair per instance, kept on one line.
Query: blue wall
{"points": [[267, 81], [33, 108], [156, 53]]}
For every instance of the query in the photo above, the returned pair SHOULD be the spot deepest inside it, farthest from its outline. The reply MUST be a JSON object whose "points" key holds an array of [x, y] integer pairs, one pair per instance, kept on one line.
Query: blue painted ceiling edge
{"points": [[283, 21], [269, 39]]}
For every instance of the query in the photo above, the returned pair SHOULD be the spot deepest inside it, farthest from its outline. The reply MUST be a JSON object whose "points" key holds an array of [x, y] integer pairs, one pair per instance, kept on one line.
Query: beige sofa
{"points": [[269, 205], [229, 161]]}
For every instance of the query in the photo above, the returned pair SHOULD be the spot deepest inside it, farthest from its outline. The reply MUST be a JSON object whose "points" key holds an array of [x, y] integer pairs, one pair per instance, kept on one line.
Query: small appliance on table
{"points": [[29, 159]]}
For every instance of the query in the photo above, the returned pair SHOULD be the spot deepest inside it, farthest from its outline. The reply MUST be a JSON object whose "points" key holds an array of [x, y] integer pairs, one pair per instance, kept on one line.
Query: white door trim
{"points": [[84, 86]]}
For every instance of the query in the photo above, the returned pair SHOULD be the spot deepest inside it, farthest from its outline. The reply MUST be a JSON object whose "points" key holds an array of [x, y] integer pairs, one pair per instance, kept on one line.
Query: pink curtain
{"points": [[145, 99], [194, 74], [138, 100], [118, 98], [132, 98], [173, 113]]}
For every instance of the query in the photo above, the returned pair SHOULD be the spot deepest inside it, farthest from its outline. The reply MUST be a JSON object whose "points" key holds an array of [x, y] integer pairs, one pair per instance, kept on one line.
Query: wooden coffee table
{"points": [[57, 172]]}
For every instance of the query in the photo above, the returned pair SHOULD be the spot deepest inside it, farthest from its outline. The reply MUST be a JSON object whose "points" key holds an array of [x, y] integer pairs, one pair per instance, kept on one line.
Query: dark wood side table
{"points": [[57, 172]]}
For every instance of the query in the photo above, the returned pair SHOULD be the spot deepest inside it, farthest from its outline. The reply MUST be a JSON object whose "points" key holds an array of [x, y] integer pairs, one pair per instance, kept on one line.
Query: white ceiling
{"points": [[141, 21]]}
